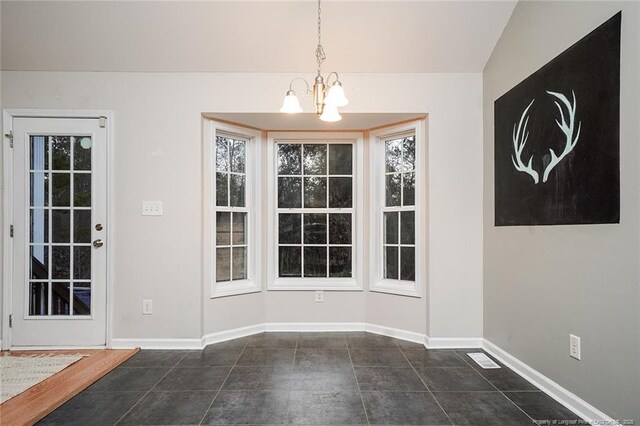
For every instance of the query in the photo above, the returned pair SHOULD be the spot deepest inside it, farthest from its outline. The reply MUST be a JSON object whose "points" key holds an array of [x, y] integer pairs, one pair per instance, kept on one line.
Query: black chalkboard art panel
{"points": [[557, 138]]}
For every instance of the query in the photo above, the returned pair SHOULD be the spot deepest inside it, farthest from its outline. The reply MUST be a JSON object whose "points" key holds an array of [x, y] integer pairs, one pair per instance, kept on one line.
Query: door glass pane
{"points": [[82, 299], [38, 298], [60, 235], [82, 153], [82, 262], [60, 226], [82, 189], [61, 189], [60, 298], [61, 152]]}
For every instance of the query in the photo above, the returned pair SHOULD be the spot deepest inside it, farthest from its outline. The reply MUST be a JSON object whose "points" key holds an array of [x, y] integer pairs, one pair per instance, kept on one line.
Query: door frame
{"points": [[8, 114]]}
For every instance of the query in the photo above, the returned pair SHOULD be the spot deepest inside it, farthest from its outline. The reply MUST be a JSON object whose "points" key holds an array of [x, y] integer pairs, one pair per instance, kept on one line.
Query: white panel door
{"points": [[59, 210]]}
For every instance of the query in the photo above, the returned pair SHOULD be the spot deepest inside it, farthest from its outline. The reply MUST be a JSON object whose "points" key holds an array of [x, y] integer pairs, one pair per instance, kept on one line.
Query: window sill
{"points": [[301, 284], [233, 288], [397, 287]]}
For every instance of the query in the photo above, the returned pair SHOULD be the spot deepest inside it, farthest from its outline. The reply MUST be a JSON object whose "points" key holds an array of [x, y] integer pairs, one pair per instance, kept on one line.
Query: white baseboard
{"points": [[453, 342], [571, 401], [236, 333], [410, 336], [156, 343], [314, 326]]}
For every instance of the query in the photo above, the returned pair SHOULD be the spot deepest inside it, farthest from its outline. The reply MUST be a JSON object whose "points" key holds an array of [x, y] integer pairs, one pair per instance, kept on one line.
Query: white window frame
{"points": [[253, 161], [377, 192], [354, 283]]}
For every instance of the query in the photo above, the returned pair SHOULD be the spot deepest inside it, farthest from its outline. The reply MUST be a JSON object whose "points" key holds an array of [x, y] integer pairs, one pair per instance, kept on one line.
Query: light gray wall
{"points": [[542, 283]]}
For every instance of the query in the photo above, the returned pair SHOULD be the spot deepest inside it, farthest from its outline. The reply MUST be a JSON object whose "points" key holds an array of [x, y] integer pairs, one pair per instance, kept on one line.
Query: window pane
{"points": [[237, 191], [60, 189], [339, 261], [39, 230], [340, 192], [289, 192], [393, 152], [60, 262], [408, 153], [409, 190], [82, 299], [82, 189], [223, 228], [315, 159], [390, 235], [290, 261], [39, 262], [239, 228], [39, 189], [408, 263], [223, 264], [238, 155], [239, 263], [315, 229], [315, 192], [82, 226], [39, 153], [39, 299], [340, 159], [82, 153], [61, 152], [340, 228], [222, 154], [60, 298], [407, 228], [61, 226], [391, 263], [222, 189], [393, 190], [289, 159], [82, 263], [289, 228], [315, 261]]}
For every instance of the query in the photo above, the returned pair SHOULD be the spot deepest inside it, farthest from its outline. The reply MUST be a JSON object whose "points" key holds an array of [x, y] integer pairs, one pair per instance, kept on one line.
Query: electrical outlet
{"points": [[152, 208], [319, 296], [147, 307], [574, 346]]}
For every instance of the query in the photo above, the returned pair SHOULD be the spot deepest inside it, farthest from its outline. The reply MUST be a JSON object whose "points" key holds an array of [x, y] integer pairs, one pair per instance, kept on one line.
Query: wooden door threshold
{"points": [[40, 400]]}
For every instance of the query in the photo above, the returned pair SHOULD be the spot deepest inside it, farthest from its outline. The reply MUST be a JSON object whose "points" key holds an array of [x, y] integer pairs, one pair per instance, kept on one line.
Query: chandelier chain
{"points": [[320, 56]]}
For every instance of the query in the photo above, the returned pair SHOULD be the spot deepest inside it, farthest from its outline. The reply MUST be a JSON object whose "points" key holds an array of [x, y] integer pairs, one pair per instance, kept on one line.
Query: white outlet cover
{"points": [[147, 307], [152, 208], [319, 296], [574, 346]]}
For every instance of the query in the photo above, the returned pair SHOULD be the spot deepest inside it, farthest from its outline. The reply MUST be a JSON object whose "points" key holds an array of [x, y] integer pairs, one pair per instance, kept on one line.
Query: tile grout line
{"points": [[223, 382], [355, 376], [425, 385], [496, 388], [150, 389]]}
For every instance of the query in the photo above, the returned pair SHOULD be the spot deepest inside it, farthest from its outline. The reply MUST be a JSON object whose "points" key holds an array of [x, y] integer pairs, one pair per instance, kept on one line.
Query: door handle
{"points": [[98, 243]]}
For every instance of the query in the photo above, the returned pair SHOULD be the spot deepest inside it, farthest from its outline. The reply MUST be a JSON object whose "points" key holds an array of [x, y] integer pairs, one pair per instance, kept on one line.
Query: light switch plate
{"points": [[152, 208]]}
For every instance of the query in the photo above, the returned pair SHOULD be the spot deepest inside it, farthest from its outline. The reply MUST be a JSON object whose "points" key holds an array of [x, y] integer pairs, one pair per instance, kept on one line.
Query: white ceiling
{"points": [[310, 122], [250, 36]]}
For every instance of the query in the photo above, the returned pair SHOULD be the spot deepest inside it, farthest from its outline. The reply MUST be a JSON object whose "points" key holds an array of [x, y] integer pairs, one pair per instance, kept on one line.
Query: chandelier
{"points": [[326, 101]]}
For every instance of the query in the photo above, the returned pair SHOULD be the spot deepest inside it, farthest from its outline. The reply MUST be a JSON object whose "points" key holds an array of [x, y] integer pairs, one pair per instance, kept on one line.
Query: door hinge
{"points": [[10, 137], [102, 120], [11, 231], [10, 321]]}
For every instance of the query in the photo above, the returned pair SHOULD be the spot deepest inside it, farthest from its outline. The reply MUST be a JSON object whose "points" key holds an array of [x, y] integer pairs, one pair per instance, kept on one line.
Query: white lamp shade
{"points": [[336, 96], [291, 104], [330, 114]]}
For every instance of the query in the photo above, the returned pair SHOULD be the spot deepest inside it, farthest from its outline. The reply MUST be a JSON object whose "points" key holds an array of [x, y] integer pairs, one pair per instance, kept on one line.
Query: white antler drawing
{"points": [[567, 129], [520, 136]]}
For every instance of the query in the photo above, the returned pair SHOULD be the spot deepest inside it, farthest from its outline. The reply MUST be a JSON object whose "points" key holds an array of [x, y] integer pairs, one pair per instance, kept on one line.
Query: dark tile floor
{"points": [[309, 378]]}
